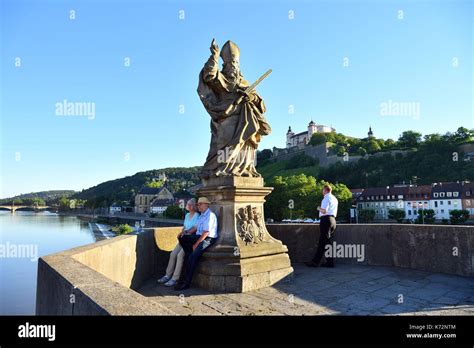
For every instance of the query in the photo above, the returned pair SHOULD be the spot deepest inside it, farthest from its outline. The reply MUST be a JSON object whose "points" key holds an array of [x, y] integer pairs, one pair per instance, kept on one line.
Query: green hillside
{"points": [[45, 196], [436, 158], [270, 170], [124, 189]]}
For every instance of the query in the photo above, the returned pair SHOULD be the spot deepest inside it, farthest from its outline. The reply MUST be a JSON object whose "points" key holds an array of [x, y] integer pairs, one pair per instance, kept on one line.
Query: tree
{"points": [[366, 215], [91, 203], [344, 197], [174, 212], [64, 203], [299, 195], [381, 143], [432, 138], [331, 137], [462, 135], [390, 143], [265, 154], [80, 203], [409, 139], [428, 164], [396, 214], [317, 139], [426, 216], [361, 151], [292, 193], [17, 201], [373, 146], [155, 183], [339, 150], [458, 216]]}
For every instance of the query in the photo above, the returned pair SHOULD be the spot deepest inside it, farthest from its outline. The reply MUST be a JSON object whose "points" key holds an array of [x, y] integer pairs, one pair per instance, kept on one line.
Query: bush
{"points": [[426, 215], [396, 214], [366, 215], [122, 229], [458, 216]]}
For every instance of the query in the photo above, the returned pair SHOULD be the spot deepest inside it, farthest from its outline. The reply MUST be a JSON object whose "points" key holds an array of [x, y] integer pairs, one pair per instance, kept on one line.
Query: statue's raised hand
{"points": [[214, 48]]}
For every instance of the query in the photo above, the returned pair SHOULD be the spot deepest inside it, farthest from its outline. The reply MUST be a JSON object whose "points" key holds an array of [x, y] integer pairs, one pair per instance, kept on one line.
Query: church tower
{"points": [[289, 134], [311, 129], [370, 133]]}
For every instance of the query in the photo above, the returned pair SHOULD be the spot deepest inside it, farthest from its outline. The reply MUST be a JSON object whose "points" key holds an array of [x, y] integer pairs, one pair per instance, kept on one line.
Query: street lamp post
{"points": [[422, 212]]}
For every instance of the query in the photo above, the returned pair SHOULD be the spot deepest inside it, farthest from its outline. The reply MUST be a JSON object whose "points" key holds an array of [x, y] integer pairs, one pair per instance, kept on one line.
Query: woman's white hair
{"points": [[192, 202]]}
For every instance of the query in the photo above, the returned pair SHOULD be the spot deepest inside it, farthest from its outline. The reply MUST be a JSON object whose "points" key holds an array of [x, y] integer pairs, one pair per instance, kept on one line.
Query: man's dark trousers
{"points": [[192, 257], [327, 227]]}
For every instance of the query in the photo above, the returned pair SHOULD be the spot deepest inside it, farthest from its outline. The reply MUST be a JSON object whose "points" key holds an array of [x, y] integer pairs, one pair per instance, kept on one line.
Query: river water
{"points": [[24, 236]]}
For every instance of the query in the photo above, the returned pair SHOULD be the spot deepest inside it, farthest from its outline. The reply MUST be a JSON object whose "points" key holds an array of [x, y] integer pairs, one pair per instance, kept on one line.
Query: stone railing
{"points": [[433, 248], [100, 278]]}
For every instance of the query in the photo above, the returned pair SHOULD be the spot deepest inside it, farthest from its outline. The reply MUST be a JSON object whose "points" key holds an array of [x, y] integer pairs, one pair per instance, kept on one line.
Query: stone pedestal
{"points": [[245, 257]]}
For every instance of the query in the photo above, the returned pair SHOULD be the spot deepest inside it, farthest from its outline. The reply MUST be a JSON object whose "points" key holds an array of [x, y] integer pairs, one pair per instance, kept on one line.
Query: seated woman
{"points": [[175, 263]]}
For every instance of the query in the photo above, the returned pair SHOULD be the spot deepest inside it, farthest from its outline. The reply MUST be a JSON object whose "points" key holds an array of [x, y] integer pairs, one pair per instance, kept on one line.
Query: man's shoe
{"points": [[182, 286], [328, 265], [311, 264]]}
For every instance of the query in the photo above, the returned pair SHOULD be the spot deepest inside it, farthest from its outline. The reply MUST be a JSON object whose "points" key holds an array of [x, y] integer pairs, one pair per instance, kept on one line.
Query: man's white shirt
{"points": [[207, 222], [329, 203]]}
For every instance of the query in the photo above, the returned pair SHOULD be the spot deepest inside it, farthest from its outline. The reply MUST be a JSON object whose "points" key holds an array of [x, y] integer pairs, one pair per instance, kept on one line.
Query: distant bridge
{"points": [[14, 208]]}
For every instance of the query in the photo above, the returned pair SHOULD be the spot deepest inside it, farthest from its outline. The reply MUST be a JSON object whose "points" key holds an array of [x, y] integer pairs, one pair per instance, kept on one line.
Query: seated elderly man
{"points": [[195, 244]]}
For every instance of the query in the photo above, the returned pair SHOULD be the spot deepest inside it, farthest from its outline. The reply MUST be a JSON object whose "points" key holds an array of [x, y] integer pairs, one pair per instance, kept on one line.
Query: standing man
{"points": [[194, 245], [327, 227]]}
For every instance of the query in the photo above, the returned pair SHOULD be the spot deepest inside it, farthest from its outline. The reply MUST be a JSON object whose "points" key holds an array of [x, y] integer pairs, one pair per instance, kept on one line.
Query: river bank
{"points": [[132, 220]]}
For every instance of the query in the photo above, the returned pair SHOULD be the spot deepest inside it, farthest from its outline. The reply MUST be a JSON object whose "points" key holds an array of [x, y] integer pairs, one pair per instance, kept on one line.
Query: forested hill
{"points": [[434, 158], [44, 196], [124, 189]]}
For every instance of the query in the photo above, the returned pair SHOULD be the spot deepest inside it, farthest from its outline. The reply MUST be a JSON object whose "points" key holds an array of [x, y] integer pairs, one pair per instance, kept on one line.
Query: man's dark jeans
{"points": [[192, 257]]}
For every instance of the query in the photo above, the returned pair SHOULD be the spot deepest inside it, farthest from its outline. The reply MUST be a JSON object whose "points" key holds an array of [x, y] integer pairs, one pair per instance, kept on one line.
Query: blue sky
{"points": [[422, 55]]}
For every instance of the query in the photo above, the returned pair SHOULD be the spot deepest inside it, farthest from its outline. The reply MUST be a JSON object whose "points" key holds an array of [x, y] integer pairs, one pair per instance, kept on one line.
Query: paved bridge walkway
{"points": [[344, 290]]}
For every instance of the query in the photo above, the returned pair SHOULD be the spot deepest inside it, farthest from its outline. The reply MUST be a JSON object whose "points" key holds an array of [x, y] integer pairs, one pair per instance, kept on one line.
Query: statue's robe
{"points": [[234, 138]]}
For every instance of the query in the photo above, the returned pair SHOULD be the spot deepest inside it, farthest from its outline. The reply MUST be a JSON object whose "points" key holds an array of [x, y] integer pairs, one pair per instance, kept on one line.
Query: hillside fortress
{"points": [[303, 138], [298, 144]]}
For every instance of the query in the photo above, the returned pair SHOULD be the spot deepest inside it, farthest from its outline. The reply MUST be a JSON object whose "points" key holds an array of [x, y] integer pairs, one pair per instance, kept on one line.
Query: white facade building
{"points": [[444, 198], [115, 208], [417, 198], [303, 138], [382, 199]]}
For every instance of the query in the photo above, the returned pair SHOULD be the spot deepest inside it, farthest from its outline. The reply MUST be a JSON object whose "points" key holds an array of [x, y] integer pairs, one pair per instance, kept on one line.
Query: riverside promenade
{"points": [[130, 218]]}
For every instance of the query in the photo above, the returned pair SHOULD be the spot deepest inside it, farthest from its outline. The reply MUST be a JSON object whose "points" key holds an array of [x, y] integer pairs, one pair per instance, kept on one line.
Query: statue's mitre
{"points": [[230, 51]]}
